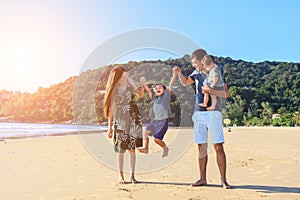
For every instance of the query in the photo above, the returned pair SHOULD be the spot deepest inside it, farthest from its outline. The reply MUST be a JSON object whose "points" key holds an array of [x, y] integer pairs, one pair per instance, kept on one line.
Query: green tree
{"points": [[267, 112], [235, 110]]}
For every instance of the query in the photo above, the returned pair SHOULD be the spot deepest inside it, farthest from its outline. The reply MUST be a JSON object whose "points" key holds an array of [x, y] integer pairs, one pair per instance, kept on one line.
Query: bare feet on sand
{"points": [[133, 180], [225, 185], [199, 183], [121, 181], [143, 150], [165, 151]]}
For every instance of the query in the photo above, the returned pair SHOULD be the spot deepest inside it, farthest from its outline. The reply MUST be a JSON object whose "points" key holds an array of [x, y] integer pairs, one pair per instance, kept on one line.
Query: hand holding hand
{"points": [[175, 73], [176, 70], [143, 80]]}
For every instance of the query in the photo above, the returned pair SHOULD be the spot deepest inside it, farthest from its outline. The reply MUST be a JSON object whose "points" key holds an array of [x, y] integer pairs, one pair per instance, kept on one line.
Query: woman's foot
{"points": [[121, 181], [133, 180]]}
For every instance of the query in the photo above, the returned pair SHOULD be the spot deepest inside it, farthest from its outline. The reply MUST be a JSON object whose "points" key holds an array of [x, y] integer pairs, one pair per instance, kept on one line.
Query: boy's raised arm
{"points": [[144, 84], [172, 81]]}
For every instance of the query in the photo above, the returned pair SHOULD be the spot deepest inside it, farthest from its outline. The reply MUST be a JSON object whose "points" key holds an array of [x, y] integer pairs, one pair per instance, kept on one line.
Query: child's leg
{"points": [[213, 102], [163, 145], [205, 100], [158, 137], [146, 141]]}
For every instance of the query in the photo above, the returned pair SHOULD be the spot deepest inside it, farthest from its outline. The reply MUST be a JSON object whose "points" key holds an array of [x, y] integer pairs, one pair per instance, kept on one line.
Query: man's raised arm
{"points": [[184, 80]]}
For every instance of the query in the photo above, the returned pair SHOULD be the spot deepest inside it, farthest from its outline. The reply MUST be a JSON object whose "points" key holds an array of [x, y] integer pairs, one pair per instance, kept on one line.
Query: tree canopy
{"points": [[257, 91]]}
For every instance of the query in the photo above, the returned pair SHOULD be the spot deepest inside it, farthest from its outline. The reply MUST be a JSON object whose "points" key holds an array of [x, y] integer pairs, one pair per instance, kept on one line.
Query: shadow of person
{"points": [[269, 189]]}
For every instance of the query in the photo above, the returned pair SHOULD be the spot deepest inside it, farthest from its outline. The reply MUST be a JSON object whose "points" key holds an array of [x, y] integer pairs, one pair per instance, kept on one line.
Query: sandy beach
{"points": [[262, 163]]}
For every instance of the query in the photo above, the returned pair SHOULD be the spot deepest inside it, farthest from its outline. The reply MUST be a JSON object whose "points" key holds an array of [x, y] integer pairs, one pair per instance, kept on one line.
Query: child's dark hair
{"points": [[208, 59], [161, 85]]}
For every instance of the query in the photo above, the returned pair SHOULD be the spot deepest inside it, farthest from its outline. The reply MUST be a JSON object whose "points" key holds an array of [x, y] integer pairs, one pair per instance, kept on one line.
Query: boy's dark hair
{"points": [[198, 54], [161, 85]]}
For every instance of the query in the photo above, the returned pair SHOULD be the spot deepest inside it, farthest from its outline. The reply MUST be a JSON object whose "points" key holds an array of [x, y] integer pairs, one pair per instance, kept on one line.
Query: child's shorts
{"points": [[158, 128]]}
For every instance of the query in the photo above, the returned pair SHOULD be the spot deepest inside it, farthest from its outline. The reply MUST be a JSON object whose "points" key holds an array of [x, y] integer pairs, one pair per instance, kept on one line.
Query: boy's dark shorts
{"points": [[158, 128]]}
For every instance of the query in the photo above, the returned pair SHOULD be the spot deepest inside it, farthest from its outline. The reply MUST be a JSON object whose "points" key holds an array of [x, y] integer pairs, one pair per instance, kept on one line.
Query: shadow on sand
{"points": [[258, 188], [269, 189], [164, 183]]}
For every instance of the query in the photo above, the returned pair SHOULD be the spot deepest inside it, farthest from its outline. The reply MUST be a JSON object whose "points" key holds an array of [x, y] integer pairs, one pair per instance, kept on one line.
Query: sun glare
{"points": [[22, 57]]}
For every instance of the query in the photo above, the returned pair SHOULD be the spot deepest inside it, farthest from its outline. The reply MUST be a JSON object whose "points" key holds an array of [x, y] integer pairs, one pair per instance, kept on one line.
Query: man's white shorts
{"points": [[208, 121]]}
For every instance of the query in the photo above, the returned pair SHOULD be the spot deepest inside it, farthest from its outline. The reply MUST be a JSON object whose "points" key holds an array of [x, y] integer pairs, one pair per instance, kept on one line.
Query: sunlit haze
{"points": [[45, 42]]}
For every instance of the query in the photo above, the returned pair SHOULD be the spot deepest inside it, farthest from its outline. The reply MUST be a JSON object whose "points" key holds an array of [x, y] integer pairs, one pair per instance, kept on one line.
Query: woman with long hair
{"points": [[124, 120]]}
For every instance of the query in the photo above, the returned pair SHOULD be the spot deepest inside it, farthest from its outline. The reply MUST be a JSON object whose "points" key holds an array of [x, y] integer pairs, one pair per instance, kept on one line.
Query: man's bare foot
{"points": [[133, 180], [226, 185], [203, 105], [199, 183], [165, 151], [143, 150]]}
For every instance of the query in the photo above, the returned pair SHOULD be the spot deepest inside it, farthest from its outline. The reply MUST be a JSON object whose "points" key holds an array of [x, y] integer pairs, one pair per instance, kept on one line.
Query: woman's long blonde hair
{"points": [[114, 76]]}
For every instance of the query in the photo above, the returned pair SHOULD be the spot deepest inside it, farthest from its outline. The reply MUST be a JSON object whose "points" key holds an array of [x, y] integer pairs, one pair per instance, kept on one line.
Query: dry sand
{"points": [[262, 163]]}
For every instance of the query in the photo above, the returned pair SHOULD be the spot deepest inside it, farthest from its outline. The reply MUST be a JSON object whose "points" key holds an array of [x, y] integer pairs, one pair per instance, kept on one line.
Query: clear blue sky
{"points": [[45, 42]]}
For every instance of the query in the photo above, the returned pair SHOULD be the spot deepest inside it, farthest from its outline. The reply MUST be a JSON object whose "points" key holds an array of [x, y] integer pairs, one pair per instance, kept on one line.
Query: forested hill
{"points": [[257, 91]]}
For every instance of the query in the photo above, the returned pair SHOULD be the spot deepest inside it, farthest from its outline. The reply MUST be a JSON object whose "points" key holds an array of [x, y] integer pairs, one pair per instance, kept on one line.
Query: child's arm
{"points": [[146, 87], [220, 93], [215, 81], [172, 81]]}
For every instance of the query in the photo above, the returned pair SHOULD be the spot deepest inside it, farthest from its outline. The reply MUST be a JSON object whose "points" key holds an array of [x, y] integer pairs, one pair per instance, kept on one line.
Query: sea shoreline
{"points": [[103, 130]]}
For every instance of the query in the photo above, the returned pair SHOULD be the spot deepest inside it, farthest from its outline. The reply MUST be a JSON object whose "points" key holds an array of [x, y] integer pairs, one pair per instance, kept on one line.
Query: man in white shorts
{"points": [[206, 121]]}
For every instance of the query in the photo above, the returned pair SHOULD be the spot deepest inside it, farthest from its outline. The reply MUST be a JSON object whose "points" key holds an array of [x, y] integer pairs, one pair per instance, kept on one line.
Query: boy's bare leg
{"points": [[163, 145], [146, 140]]}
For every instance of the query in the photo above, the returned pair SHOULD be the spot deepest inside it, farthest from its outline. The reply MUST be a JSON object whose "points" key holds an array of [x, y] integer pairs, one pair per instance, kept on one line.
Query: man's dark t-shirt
{"points": [[199, 77]]}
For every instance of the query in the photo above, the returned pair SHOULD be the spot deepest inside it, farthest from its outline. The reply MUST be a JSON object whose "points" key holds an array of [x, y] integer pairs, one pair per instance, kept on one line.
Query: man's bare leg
{"points": [[221, 161], [202, 162]]}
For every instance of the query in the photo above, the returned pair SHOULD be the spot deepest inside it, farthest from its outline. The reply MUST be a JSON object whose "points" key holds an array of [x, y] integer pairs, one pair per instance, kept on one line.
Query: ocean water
{"points": [[24, 130]]}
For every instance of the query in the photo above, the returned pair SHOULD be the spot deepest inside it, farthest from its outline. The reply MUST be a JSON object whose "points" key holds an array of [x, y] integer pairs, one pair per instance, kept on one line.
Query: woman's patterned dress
{"points": [[126, 121]]}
